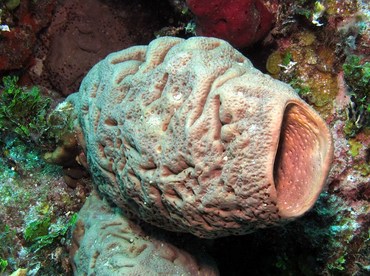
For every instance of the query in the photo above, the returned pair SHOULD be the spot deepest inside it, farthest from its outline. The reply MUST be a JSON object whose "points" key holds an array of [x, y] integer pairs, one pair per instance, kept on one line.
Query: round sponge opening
{"points": [[301, 157]]}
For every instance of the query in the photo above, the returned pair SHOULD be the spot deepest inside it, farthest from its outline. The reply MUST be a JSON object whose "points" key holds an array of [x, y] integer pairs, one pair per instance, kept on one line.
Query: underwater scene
{"points": [[184, 137]]}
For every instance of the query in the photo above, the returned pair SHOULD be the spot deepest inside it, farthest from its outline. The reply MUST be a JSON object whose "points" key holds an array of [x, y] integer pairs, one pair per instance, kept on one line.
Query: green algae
{"points": [[354, 147], [41, 204], [36, 229], [42, 232], [363, 168], [3, 265], [23, 111], [357, 77]]}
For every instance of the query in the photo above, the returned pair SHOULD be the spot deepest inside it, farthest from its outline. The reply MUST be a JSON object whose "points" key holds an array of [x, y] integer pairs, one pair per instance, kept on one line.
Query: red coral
{"points": [[240, 22]]}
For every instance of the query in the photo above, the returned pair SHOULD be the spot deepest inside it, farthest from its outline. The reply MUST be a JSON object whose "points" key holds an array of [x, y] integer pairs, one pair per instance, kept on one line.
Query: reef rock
{"points": [[189, 136], [82, 33]]}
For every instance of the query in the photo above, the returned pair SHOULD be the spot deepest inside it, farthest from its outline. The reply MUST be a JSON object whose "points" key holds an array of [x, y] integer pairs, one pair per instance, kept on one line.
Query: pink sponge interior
{"points": [[301, 160]]}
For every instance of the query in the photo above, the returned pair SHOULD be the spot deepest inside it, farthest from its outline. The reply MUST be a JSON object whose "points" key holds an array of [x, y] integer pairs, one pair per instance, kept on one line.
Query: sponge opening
{"points": [[298, 168]]}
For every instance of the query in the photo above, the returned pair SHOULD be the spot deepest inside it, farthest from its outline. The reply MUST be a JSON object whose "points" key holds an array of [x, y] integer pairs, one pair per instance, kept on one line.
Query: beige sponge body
{"points": [[188, 136], [106, 243]]}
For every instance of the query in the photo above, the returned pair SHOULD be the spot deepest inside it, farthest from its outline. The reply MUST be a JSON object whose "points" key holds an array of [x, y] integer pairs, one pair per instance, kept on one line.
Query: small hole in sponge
{"points": [[111, 122]]}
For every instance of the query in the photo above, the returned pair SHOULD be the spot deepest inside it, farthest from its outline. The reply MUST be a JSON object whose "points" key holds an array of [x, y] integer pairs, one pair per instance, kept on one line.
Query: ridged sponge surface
{"points": [[106, 243], [188, 136]]}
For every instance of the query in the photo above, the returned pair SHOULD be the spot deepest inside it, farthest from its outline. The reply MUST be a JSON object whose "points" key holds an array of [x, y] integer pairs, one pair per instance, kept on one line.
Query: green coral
{"points": [[23, 111], [357, 77]]}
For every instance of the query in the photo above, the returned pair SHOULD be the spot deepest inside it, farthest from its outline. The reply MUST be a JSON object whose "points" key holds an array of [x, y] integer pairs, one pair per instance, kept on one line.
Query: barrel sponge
{"points": [[189, 136], [107, 243]]}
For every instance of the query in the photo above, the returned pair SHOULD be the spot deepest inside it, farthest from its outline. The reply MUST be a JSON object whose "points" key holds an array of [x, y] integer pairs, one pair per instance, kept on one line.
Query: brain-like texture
{"points": [[106, 243], [188, 136]]}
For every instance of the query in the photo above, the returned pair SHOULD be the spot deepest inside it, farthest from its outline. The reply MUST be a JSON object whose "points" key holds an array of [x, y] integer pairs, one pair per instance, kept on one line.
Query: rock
{"points": [[26, 19], [81, 34]]}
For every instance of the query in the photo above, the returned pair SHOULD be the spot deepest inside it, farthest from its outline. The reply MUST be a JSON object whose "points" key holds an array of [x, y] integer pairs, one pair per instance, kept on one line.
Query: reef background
{"points": [[322, 48]]}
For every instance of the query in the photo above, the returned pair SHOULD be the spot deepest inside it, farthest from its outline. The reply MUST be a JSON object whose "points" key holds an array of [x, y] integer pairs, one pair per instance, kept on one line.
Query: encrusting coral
{"points": [[188, 136]]}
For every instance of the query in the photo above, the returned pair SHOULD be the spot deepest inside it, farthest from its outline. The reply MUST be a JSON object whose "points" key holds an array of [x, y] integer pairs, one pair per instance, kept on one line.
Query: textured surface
{"points": [[77, 38], [240, 22], [184, 134], [106, 243]]}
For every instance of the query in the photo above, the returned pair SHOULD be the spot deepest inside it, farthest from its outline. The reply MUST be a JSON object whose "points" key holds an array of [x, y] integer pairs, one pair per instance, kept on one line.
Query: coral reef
{"points": [[335, 84], [320, 47], [37, 211], [240, 22], [173, 132]]}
